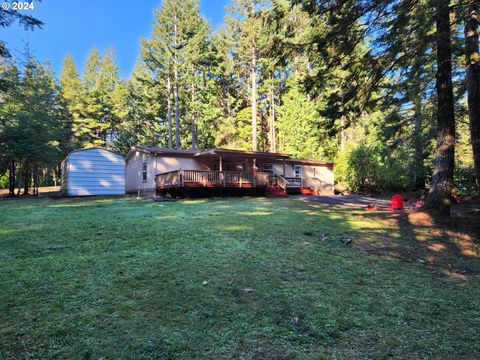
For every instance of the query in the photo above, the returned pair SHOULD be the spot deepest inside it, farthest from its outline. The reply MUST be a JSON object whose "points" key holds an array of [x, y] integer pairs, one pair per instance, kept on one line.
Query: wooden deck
{"points": [[226, 183], [211, 178]]}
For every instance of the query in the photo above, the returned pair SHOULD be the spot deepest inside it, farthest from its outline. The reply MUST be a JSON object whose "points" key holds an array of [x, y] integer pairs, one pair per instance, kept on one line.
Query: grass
{"points": [[119, 278]]}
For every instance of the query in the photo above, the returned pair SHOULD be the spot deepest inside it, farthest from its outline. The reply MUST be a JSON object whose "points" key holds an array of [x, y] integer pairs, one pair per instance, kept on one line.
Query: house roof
{"points": [[223, 152], [229, 152], [159, 150], [154, 150], [308, 161]]}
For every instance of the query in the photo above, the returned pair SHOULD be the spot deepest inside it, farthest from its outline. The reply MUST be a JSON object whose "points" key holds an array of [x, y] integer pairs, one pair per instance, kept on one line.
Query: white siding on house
{"points": [[94, 172], [321, 174], [133, 172], [155, 165], [324, 174], [278, 166]]}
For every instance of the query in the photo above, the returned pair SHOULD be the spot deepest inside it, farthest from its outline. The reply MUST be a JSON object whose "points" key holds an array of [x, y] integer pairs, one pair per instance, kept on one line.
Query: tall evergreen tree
{"points": [[8, 18], [410, 94], [143, 123], [472, 55], [246, 24], [101, 101], [10, 129], [440, 194], [31, 127], [297, 133], [70, 93], [173, 52], [87, 128]]}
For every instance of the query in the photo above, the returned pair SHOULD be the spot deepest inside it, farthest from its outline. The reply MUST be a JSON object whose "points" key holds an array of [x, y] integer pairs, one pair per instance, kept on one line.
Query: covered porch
{"points": [[241, 161], [232, 169]]}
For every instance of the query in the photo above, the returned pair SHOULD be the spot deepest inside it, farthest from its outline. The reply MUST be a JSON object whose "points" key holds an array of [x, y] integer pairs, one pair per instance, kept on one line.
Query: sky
{"points": [[76, 26]]}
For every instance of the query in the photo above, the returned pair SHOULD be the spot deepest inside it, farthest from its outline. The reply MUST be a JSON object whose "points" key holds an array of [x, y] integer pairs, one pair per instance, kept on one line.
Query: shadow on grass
{"points": [[415, 238]]}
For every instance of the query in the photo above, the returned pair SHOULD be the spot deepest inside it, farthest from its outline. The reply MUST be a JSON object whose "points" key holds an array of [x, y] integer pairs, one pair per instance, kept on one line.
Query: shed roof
{"points": [[89, 149]]}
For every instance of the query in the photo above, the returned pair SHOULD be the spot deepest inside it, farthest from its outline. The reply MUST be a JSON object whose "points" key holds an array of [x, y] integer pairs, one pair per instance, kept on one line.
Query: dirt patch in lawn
{"points": [[451, 248], [44, 191]]}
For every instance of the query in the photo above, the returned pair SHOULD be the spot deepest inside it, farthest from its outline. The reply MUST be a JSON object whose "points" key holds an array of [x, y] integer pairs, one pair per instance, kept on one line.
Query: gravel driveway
{"points": [[351, 201]]}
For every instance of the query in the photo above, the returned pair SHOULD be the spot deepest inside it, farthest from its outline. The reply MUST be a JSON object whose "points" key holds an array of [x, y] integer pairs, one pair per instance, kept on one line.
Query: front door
{"points": [[298, 171]]}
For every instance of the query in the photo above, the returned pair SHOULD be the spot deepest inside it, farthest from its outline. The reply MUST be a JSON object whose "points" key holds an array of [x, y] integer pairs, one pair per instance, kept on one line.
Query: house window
{"points": [[268, 167], [144, 171], [298, 171]]}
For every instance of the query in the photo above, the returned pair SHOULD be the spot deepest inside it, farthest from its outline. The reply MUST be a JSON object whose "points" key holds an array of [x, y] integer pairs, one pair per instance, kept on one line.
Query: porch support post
{"points": [[284, 167], [221, 175], [254, 172]]}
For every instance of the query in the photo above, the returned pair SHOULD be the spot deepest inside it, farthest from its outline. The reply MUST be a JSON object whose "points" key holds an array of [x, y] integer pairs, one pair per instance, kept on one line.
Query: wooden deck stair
{"points": [[307, 191]]}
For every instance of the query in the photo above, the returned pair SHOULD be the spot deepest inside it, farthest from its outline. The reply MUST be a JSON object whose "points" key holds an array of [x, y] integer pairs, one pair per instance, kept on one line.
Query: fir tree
{"points": [[440, 195], [31, 127], [70, 93], [472, 55], [100, 110], [173, 53], [296, 125], [246, 24]]}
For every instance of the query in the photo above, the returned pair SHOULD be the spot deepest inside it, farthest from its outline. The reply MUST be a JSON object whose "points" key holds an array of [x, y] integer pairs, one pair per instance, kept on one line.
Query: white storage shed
{"points": [[93, 171]]}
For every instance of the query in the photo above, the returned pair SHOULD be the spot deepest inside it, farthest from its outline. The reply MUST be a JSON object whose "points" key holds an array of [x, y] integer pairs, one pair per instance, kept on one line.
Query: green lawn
{"points": [[124, 278]]}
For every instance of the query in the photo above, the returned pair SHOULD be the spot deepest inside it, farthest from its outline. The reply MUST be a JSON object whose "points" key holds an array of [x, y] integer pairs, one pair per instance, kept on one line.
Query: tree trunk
{"points": [[37, 183], [254, 97], [27, 180], [194, 126], [273, 147], [19, 181], [169, 111], [418, 163], [343, 135], [472, 56], [11, 179], [175, 89], [439, 198]]}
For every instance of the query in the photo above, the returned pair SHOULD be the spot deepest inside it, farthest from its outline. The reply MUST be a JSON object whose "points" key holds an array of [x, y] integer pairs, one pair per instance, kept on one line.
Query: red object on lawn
{"points": [[418, 204], [397, 202]]}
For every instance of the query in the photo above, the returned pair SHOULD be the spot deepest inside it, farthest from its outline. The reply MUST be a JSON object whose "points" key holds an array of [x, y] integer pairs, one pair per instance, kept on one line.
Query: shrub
{"points": [[4, 181], [464, 179], [370, 168]]}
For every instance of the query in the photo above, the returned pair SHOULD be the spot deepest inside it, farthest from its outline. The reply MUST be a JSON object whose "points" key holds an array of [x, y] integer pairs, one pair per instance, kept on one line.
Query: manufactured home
{"points": [[223, 172], [93, 171]]}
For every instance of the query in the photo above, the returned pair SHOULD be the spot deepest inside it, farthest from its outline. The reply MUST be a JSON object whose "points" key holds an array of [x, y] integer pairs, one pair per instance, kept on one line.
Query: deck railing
{"points": [[178, 178], [294, 182], [171, 178], [316, 185], [282, 182]]}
